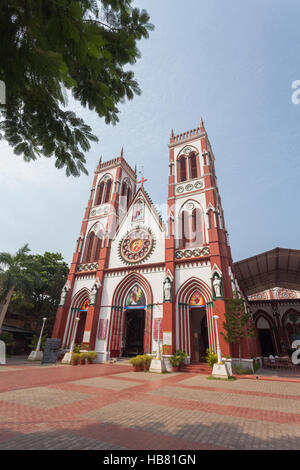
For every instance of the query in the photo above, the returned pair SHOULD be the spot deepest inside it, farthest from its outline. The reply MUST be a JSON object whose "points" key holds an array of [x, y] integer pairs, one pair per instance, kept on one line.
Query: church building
{"points": [[137, 282]]}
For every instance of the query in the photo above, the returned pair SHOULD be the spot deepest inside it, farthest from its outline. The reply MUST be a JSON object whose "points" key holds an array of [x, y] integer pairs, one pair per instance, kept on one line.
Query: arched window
{"points": [[98, 244], [191, 228], [128, 197], [182, 169], [107, 190], [124, 188], [88, 248], [197, 227], [185, 229], [99, 194], [193, 166]]}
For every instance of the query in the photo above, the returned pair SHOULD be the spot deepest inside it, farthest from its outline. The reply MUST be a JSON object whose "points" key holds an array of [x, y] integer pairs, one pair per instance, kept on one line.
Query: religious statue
{"points": [[217, 283], [93, 294], [63, 296], [167, 290]]}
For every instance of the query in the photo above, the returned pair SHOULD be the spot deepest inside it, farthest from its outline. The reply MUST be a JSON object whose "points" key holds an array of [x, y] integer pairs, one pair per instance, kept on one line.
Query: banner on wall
{"points": [[102, 328]]}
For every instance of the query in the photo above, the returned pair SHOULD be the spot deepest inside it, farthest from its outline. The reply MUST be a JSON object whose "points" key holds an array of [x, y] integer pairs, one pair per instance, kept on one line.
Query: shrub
{"points": [[77, 348], [175, 360], [7, 338], [137, 361], [35, 341], [82, 357], [211, 358], [75, 357], [91, 356], [147, 361], [182, 354]]}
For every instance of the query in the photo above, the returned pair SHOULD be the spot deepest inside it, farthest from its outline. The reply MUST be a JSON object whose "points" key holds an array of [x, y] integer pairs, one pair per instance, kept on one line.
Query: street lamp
{"points": [[216, 317], [40, 338], [74, 335]]}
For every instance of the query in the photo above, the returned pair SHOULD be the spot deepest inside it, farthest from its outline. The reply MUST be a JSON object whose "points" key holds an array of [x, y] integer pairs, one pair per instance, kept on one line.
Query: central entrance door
{"points": [[199, 330], [134, 332]]}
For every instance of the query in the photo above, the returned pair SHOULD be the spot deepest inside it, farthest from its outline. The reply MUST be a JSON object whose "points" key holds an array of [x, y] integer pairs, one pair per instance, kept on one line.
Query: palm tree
{"points": [[17, 273]]}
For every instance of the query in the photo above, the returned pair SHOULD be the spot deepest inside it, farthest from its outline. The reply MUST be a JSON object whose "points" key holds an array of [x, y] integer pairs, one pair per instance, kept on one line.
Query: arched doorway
{"points": [[82, 319], [134, 324], [198, 327], [131, 310], [265, 336], [291, 323]]}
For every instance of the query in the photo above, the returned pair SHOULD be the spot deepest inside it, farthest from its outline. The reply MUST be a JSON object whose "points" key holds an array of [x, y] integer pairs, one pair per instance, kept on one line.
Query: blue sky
{"points": [[233, 63]]}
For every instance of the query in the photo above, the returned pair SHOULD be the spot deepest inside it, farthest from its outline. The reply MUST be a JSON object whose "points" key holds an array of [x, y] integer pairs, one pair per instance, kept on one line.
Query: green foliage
{"points": [[147, 361], [35, 341], [211, 358], [18, 272], [175, 360], [75, 357], [137, 361], [82, 357], [91, 356], [182, 354], [42, 299], [48, 47], [238, 322], [7, 338], [77, 348]]}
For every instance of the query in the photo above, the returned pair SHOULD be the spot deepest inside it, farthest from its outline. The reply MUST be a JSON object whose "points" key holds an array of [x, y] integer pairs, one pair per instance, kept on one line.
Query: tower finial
{"points": [[122, 152], [172, 135], [202, 128]]}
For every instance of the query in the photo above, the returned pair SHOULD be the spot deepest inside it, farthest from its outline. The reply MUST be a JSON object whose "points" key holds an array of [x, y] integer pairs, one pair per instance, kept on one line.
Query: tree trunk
{"points": [[5, 305], [240, 352]]}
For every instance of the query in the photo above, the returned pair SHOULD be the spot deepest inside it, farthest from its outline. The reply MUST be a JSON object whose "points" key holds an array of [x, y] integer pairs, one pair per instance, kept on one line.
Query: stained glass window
{"points": [[197, 300]]}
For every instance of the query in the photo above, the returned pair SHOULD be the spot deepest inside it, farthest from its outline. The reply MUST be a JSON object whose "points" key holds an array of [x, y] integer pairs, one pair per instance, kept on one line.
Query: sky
{"points": [[233, 63]]}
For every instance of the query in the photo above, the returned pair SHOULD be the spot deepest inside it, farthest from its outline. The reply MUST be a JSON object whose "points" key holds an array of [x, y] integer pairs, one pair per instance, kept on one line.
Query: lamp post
{"points": [[68, 356], [41, 333], [158, 349], [216, 317], [74, 334]]}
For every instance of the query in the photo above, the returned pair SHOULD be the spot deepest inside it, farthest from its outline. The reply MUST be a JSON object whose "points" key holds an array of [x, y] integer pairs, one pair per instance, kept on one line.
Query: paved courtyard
{"points": [[110, 407]]}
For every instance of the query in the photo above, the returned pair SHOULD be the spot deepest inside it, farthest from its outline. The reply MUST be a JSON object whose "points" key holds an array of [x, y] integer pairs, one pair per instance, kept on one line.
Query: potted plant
{"points": [[138, 363], [175, 361], [91, 356], [75, 359], [82, 358], [147, 361], [211, 358], [183, 355]]}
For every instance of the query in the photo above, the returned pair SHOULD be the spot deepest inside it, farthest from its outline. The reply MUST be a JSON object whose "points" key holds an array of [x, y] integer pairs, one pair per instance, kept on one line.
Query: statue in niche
{"points": [[93, 294], [63, 296], [167, 290], [217, 285]]}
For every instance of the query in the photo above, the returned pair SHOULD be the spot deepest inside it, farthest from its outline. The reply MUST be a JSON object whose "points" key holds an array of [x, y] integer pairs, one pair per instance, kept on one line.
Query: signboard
{"points": [[86, 336], [167, 338], [51, 351], [102, 328]]}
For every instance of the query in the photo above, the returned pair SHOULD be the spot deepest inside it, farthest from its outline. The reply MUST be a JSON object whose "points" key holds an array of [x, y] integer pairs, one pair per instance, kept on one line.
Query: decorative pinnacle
{"points": [[122, 151], [201, 124], [172, 135]]}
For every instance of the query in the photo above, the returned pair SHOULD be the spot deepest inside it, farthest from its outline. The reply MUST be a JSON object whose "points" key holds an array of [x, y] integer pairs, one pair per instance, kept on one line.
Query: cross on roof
{"points": [[142, 180]]}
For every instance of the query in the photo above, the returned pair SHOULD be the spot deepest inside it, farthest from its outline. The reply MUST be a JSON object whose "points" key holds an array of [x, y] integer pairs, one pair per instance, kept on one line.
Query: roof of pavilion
{"points": [[275, 268]]}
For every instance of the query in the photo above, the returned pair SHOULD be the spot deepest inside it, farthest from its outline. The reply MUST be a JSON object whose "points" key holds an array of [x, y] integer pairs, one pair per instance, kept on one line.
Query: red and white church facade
{"points": [[135, 281]]}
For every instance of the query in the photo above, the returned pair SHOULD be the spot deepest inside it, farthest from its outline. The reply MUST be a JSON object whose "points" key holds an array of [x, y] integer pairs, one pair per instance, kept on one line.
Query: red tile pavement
{"points": [[123, 417]]}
